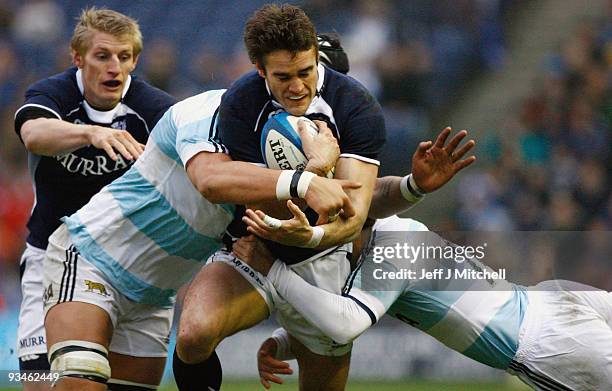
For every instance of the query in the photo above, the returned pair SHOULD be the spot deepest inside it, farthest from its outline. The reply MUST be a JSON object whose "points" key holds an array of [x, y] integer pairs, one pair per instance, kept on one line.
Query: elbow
{"points": [[205, 184], [346, 335], [28, 137]]}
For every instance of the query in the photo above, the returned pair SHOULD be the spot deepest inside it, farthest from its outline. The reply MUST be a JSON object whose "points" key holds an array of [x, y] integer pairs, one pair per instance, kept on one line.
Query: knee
{"points": [[196, 341]]}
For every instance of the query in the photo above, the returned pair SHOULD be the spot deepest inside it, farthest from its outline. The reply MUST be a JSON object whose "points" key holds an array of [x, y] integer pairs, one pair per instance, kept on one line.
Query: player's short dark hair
{"points": [[273, 27]]}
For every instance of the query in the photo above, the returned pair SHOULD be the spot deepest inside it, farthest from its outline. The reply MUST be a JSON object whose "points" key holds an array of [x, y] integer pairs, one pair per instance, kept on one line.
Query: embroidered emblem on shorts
{"points": [[96, 287]]}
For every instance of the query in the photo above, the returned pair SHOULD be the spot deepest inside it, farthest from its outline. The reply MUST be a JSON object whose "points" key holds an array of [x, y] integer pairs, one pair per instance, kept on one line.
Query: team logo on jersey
{"points": [[119, 125], [96, 287]]}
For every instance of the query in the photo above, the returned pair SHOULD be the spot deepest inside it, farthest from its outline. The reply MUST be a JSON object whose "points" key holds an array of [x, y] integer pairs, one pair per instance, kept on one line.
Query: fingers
{"points": [[266, 378], [134, 147], [303, 129], [460, 165], [458, 154], [255, 224], [272, 222], [323, 128], [297, 212], [119, 147], [347, 209], [441, 139], [423, 147], [114, 141], [455, 141], [269, 367], [109, 150]]}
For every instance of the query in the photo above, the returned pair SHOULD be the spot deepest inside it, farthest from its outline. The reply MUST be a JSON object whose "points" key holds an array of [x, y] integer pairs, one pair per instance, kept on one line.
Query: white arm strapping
{"points": [[339, 317], [283, 344]]}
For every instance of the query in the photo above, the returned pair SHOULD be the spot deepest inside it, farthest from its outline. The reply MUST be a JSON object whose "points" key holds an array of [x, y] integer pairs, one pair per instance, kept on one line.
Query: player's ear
{"points": [[260, 69], [77, 59]]}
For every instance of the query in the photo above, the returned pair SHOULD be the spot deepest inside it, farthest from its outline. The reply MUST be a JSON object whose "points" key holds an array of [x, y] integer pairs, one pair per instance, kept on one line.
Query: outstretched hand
{"points": [[268, 366], [434, 164]]}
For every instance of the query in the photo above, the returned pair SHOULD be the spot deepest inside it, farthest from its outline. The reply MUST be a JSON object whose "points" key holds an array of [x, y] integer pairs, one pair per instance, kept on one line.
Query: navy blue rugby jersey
{"points": [[63, 184], [353, 115]]}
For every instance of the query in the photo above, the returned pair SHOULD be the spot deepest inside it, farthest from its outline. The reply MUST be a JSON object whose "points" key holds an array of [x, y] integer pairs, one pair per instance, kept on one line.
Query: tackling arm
{"points": [[222, 180], [342, 318]]}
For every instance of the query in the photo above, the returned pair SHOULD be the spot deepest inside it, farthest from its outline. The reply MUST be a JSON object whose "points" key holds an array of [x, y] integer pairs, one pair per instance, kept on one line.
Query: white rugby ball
{"points": [[281, 145]]}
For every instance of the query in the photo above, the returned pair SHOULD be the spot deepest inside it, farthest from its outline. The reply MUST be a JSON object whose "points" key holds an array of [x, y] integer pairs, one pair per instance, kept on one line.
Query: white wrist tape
{"points": [[293, 184], [283, 185], [304, 182], [409, 189], [317, 236], [414, 186]]}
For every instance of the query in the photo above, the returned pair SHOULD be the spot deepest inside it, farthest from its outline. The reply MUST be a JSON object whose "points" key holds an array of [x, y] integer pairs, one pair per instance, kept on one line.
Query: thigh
{"points": [[77, 321], [218, 303], [320, 373]]}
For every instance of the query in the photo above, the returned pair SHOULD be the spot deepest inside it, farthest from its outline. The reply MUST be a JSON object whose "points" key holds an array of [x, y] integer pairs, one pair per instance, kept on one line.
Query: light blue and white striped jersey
{"points": [[150, 230], [479, 318]]}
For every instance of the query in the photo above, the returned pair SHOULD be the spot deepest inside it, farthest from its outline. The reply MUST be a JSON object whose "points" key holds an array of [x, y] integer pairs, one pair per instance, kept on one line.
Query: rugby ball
{"points": [[281, 146]]}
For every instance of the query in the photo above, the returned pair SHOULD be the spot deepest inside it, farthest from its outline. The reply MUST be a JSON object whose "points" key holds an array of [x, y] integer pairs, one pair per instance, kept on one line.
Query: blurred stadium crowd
{"points": [[548, 164]]}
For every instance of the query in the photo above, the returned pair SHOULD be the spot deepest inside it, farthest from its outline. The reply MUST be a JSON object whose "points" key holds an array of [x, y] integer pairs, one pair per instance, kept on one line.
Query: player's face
{"points": [[105, 66], [291, 78]]}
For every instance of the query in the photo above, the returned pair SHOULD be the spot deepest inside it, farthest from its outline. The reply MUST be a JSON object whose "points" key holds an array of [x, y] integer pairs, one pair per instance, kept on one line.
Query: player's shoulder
{"points": [[61, 85], [346, 95], [339, 83], [246, 91], [196, 108]]}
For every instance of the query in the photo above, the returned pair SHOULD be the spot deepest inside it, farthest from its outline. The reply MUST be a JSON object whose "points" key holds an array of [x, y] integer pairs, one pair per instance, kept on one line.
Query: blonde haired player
{"points": [[82, 129]]}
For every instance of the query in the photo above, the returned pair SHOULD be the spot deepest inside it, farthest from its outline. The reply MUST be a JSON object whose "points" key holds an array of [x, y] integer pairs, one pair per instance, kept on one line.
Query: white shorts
{"points": [[139, 330], [31, 331], [329, 272], [565, 342]]}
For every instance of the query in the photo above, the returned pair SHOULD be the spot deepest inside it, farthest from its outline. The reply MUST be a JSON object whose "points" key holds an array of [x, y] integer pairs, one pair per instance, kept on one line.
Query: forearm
{"points": [[344, 230], [53, 137], [388, 198], [222, 180], [339, 317]]}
